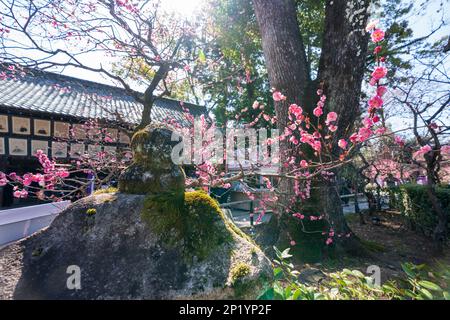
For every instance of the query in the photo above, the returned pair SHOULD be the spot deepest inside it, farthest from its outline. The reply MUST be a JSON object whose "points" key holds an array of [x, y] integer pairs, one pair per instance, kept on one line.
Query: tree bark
{"points": [[342, 62], [341, 71], [284, 52], [149, 97], [285, 59], [286, 64], [440, 231]]}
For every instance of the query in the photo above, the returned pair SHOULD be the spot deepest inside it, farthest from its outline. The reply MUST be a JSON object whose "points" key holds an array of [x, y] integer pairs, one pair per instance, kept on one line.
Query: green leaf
{"points": [[285, 254], [267, 295], [358, 273], [201, 56], [287, 292], [297, 295], [429, 285], [277, 252], [346, 271], [278, 292], [408, 270], [427, 294], [277, 273], [446, 295]]}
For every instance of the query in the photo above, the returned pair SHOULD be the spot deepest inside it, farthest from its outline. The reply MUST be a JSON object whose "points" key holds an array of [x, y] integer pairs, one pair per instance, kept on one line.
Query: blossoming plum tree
{"points": [[315, 118], [144, 45]]}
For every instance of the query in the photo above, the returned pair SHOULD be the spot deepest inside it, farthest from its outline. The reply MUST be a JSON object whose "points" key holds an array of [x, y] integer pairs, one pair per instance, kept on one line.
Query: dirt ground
{"points": [[390, 243]]}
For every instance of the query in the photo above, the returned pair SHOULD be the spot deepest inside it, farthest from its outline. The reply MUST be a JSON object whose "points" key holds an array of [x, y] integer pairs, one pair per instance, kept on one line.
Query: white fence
{"points": [[19, 223]]}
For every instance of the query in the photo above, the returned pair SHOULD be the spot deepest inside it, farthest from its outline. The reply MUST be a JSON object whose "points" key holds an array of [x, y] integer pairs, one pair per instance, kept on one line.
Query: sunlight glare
{"points": [[184, 7]]}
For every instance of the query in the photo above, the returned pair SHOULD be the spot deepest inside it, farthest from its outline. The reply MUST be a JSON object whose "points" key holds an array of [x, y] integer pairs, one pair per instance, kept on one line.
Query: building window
{"points": [[79, 132], [76, 150], [61, 130], [18, 147], [59, 149], [42, 128], [21, 125], [4, 123], [39, 145], [2, 146]]}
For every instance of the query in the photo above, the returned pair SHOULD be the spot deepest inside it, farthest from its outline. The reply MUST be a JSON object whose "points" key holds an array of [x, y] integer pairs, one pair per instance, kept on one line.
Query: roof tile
{"points": [[59, 94]]}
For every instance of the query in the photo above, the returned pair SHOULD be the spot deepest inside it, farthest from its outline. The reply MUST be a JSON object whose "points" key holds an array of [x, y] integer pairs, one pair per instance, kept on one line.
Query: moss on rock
{"points": [[243, 282], [192, 220], [107, 190], [239, 271], [91, 211]]}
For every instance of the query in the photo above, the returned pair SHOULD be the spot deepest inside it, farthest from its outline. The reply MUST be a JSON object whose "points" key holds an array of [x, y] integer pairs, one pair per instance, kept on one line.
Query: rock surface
{"points": [[152, 170], [121, 258]]}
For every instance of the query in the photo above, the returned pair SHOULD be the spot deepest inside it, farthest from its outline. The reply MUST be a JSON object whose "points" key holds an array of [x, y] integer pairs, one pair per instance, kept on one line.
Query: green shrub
{"points": [[413, 202], [420, 283]]}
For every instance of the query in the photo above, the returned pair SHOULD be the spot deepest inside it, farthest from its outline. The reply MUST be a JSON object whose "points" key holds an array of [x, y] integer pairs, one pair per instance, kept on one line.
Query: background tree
{"points": [[425, 97], [143, 46]]}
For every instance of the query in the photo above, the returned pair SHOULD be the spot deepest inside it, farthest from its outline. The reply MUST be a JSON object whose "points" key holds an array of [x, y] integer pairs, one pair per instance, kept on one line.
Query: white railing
{"points": [[19, 223]]}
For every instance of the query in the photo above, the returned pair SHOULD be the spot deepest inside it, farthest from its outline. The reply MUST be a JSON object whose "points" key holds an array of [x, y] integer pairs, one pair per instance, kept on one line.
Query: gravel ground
{"points": [[10, 270]]}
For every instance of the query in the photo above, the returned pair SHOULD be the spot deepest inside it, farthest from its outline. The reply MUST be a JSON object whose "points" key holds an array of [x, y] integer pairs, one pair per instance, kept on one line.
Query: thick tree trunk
{"points": [[440, 231], [286, 64], [342, 62], [284, 52], [341, 72], [285, 58]]}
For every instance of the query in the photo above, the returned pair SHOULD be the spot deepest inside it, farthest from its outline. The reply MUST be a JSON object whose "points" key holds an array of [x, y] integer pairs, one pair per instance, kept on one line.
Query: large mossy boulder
{"points": [[150, 240], [126, 249]]}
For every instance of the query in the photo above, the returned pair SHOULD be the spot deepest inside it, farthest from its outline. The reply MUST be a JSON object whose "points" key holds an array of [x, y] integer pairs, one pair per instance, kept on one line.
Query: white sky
{"points": [[184, 7], [422, 23]]}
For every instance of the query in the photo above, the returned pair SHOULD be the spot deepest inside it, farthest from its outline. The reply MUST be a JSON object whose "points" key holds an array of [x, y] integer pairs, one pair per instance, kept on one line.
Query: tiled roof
{"points": [[48, 92]]}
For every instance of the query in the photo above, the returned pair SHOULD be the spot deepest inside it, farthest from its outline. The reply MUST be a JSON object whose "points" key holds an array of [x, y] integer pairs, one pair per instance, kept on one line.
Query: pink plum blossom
{"points": [[381, 90], [423, 150], [445, 149], [317, 111], [377, 35], [303, 163], [399, 140], [379, 72], [278, 96], [376, 102], [295, 110], [342, 144], [331, 117], [332, 128]]}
